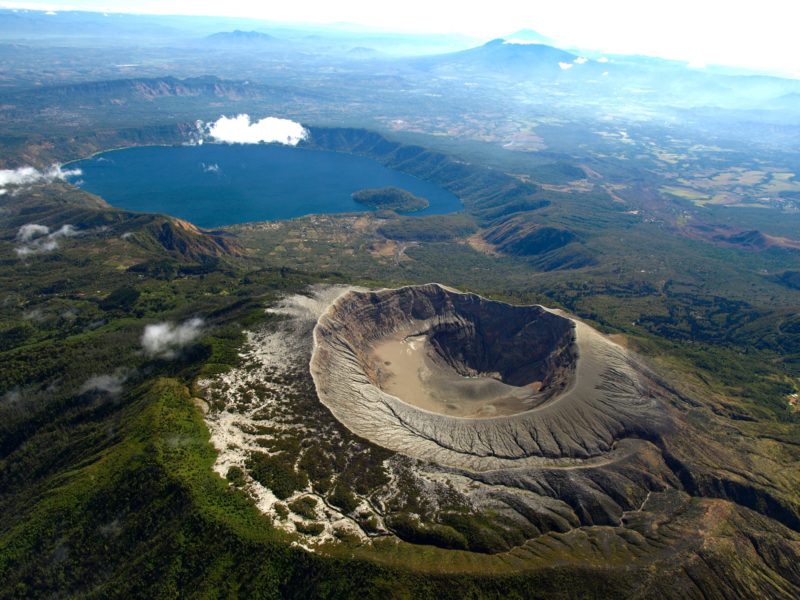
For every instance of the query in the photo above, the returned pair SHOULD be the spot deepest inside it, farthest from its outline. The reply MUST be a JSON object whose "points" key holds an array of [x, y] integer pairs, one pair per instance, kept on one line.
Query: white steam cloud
{"points": [[164, 340], [240, 130], [565, 65], [581, 60], [37, 239]]}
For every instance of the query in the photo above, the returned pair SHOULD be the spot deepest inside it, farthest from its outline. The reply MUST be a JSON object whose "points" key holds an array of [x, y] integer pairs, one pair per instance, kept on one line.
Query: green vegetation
{"points": [[483, 532], [304, 506], [559, 173], [436, 228], [122, 298], [343, 498], [236, 476], [309, 528], [281, 510], [413, 530], [390, 198], [276, 473]]}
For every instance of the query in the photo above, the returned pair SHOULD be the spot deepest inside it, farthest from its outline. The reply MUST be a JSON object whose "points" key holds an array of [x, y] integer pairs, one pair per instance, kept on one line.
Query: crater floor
{"points": [[406, 367]]}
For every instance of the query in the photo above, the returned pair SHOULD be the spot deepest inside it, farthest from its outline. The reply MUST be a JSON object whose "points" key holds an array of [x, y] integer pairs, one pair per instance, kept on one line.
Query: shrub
{"points": [[236, 476], [343, 498], [281, 511], [276, 473], [304, 507], [310, 528]]}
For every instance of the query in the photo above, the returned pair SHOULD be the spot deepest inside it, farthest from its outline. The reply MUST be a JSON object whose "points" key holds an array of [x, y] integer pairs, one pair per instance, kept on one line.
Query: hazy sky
{"points": [[757, 34]]}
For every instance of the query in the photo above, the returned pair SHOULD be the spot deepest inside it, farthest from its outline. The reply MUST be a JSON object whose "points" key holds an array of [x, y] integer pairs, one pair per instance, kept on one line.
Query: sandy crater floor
{"points": [[407, 367]]}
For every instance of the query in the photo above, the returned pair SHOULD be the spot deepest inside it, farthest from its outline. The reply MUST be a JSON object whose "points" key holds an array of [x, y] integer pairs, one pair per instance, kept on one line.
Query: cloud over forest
{"points": [[108, 383], [34, 238], [164, 340]]}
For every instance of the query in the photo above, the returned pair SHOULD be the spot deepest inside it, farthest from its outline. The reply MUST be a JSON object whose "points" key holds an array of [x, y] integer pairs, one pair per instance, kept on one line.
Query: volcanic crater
{"points": [[464, 381]]}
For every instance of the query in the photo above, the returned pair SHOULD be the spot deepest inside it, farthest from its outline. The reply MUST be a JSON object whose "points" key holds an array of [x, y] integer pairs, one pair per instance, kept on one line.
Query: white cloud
{"points": [[21, 176], [56, 172], [30, 231], [564, 65], [165, 339], [65, 231], [581, 60], [239, 130], [39, 246], [602, 59], [109, 383], [37, 239], [29, 176]]}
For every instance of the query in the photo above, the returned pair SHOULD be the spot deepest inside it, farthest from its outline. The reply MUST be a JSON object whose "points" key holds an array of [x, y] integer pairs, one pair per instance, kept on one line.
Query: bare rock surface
{"points": [[589, 393]]}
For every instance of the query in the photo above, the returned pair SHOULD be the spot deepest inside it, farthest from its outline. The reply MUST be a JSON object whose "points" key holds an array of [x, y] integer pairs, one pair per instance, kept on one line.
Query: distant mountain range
{"points": [[240, 38], [119, 92], [648, 79]]}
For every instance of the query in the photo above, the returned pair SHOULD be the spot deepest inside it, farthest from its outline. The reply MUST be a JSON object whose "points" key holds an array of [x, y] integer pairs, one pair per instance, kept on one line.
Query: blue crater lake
{"points": [[219, 184]]}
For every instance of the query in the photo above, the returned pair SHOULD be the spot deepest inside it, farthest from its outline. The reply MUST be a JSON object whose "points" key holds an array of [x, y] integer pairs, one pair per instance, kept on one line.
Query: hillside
{"points": [[394, 199], [520, 237]]}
